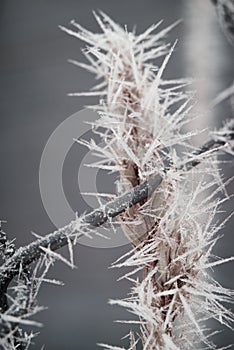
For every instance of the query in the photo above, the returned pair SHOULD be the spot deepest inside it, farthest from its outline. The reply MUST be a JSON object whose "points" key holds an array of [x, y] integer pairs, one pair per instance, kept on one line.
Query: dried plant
{"points": [[168, 195]]}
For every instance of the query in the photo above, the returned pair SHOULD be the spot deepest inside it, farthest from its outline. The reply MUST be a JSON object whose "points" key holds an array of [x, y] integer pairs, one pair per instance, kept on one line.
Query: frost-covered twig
{"points": [[24, 256], [21, 259], [225, 11]]}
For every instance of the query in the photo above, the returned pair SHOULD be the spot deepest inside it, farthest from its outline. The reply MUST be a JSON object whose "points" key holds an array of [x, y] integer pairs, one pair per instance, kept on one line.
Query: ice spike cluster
{"points": [[142, 118]]}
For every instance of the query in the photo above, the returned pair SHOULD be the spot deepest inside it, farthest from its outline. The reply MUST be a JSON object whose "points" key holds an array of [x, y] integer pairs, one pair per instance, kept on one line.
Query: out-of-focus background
{"points": [[35, 80]]}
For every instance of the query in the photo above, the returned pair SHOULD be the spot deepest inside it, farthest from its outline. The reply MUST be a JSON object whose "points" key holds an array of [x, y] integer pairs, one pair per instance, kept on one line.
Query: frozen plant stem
{"points": [[173, 232]]}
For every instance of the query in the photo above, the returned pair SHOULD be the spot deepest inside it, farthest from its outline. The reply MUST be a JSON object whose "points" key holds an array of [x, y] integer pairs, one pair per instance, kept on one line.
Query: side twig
{"points": [[24, 256]]}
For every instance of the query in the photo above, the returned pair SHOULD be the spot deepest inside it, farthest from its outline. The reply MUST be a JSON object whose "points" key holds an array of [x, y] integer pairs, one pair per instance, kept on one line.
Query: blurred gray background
{"points": [[35, 80]]}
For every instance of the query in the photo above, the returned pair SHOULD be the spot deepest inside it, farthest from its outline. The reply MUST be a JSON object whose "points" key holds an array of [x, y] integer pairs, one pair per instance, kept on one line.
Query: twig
{"points": [[24, 256], [225, 12]]}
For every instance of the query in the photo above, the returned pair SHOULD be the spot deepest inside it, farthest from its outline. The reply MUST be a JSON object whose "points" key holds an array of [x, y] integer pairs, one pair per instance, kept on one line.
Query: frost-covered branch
{"points": [[20, 260], [225, 12], [24, 256]]}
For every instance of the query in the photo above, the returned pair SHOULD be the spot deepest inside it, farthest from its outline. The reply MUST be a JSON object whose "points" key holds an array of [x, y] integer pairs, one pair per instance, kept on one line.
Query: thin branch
{"points": [[225, 12], [24, 256]]}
